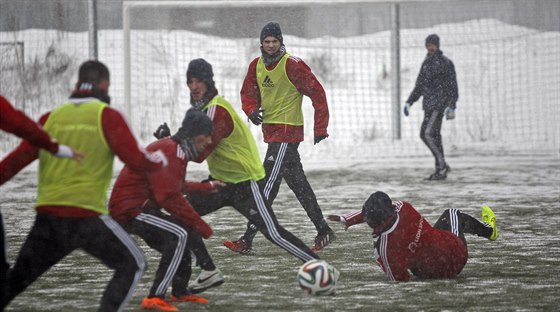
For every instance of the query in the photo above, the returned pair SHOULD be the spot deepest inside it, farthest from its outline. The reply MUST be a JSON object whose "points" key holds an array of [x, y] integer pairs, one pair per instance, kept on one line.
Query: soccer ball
{"points": [[317, 277]]}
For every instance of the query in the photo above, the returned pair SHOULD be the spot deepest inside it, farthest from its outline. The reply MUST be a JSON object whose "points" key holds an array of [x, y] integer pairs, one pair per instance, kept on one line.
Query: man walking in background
{"points": [[437, 84], [72, 196], [272, 95]]}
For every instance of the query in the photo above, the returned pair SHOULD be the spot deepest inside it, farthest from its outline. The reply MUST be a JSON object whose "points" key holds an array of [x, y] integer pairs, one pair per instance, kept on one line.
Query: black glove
{"points": [[256, 117], [162, 131], [449, 113], [407, 108], [319, 138]]}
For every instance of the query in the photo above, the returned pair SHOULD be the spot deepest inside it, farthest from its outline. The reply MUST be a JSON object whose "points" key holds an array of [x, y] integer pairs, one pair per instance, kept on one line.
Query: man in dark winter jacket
{"points": [[437, 84]]}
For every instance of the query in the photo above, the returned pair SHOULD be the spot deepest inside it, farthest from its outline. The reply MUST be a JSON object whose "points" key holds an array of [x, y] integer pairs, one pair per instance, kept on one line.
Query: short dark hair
{"points": [[93, 72]]}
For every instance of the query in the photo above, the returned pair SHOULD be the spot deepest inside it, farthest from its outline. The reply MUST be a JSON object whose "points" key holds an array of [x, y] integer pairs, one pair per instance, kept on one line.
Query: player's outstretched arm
{"points": [[349, 219], [337, 218]]}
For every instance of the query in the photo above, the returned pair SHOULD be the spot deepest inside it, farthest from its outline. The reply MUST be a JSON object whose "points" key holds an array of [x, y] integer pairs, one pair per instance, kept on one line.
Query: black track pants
{"points": [[168, 236], [458, 223], [430, 133], [52, 238], [282, 161], [247, 198], [4, 265]]}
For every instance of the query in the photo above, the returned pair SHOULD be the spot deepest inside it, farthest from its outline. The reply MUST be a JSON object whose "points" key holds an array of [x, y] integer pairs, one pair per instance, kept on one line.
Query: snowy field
{"points": [[504, 150], [518, 272]]}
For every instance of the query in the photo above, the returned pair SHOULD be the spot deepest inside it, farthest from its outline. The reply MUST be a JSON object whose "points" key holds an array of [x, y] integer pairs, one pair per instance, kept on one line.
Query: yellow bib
{"points": [[280, 99], [236, 158], [65, 182]]}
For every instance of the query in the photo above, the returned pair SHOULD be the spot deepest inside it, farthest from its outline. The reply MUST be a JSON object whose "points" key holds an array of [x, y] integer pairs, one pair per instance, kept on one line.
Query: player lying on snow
{"points": [[408, 242]]}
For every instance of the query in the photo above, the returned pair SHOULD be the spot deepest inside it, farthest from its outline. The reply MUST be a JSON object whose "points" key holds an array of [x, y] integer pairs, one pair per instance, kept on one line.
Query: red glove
{"points": [[203, 229]]}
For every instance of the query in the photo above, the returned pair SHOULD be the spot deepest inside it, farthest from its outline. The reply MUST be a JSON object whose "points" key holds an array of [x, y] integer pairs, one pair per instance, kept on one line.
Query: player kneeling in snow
{"points": [[408, 242]]}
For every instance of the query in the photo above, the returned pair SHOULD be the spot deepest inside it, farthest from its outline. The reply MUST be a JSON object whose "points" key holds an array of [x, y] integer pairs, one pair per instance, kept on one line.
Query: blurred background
{"points": [[367, 54]]}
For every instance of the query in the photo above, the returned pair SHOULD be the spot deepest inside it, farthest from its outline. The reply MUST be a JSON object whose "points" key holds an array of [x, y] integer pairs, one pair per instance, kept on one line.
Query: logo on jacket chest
{"points": [[267, 82]]}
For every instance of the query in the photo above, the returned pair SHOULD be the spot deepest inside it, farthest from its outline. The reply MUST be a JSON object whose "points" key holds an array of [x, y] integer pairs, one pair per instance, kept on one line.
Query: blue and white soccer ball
{"points": [[317, 277]]}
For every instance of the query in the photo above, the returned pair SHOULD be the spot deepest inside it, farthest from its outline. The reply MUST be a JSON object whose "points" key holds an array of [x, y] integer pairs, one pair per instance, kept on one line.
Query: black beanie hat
{"points": [[196, 123], [199, 68], [272, 29], [377, 210], [433, 39]]}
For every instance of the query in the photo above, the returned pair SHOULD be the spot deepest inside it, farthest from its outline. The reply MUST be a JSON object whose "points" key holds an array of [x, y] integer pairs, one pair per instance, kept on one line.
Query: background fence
{"points": [[509, 75]]}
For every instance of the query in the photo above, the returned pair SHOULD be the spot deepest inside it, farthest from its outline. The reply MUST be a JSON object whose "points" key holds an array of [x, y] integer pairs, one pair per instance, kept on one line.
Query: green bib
{"points": [[280, 99], [65, 182], [236, 158]]}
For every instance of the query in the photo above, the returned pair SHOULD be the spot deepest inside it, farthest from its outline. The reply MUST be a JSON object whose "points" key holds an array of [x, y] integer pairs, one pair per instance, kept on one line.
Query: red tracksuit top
{"points": [[306, 83], [16, 122], [413, 244], [120, 139], [223, 127], [135, 191]]}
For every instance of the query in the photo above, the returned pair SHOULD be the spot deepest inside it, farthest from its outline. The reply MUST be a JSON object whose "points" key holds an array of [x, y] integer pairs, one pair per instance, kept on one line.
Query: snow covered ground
{"points": [[518, 272], [503, 149]]}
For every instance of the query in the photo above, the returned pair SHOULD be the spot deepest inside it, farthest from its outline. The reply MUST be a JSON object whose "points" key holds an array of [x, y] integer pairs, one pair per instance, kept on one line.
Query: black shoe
{"points": [[438, 175]]}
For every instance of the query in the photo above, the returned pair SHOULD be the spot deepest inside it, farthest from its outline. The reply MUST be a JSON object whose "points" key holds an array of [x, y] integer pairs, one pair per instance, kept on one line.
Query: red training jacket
{"points": [[306, 83], [223, 126], [135, 191], [16, 122], [413, 244], [120, 139]]}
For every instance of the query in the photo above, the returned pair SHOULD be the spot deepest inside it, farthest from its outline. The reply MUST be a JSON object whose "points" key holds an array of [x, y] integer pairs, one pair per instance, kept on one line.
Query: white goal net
{"points": [[508, 71], [508, 75]]}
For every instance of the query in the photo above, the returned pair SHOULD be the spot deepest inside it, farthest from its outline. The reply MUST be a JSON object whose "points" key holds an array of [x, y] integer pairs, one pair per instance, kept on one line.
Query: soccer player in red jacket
{"points": [[71, 202], [16, 122], [233, 158], [407, 242], [272, 95], [137, 199]]}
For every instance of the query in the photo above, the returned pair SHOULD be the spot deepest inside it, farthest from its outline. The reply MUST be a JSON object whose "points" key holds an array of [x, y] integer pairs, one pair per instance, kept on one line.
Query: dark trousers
{"points": [[282, 162], [430, 133], [4, 265], [52, 238], [459, 223], [248, 198], [168, 236]]}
